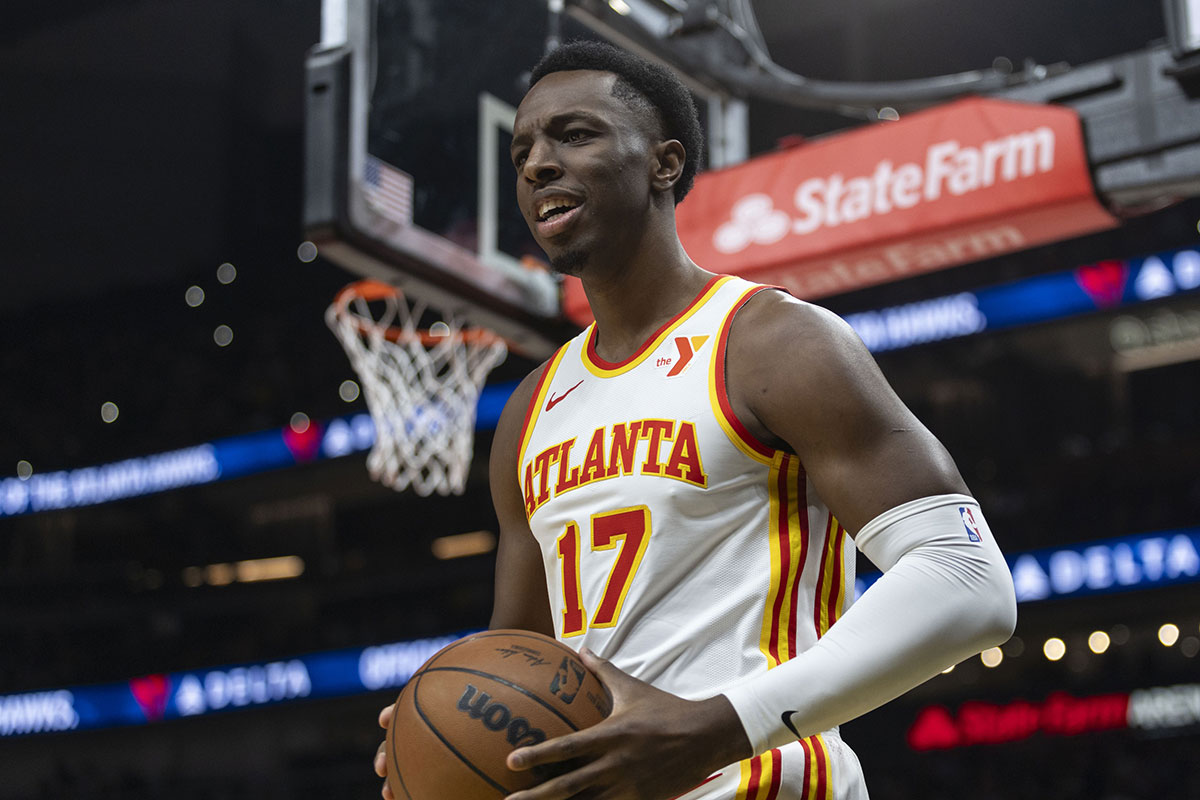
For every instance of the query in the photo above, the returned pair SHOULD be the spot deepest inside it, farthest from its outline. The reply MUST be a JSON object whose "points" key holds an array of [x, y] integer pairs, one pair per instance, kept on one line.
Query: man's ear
{"points": [[669, 158]]}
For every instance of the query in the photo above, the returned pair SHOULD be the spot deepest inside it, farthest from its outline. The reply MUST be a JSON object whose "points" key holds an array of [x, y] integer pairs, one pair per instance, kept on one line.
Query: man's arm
{"points": [[946, 592], [799, 378], [520, 582]]}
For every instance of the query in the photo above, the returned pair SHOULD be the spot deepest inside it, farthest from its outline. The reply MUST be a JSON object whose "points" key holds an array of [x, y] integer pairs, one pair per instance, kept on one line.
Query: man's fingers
{"points": [[385, 716], [621, 684], [562, 748], [381, 760]]}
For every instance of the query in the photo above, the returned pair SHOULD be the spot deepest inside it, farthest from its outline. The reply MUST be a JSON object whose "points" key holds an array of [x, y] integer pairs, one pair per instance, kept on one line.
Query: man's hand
{"points": [[654, 746], [385, 719]]}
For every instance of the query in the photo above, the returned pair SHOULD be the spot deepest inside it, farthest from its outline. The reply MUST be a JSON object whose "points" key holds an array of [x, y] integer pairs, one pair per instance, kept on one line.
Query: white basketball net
{"points": [[421, 387]]}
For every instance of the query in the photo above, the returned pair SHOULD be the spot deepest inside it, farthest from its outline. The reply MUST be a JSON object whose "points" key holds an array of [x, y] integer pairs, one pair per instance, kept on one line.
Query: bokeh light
{"points": [[223, 335], [24, 470], [194, 296], [1098, 642], [109, 412], [226, 273], [299, 422], [1168, 634], [348, 391], [991, 657], [1054, 648], [306, 252], [1190, 646]]}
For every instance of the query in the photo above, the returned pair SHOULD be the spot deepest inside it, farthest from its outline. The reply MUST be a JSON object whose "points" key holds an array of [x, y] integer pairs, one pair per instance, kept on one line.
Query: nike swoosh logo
{"points": [[787, 721], [553, 401]]}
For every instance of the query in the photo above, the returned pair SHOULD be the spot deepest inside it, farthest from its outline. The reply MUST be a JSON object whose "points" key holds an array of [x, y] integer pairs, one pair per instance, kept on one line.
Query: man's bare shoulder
{"points": [[776, 333]]}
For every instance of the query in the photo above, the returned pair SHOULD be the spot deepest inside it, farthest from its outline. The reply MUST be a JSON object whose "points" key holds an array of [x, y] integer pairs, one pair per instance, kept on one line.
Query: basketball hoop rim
{"points": [[370, 289]]}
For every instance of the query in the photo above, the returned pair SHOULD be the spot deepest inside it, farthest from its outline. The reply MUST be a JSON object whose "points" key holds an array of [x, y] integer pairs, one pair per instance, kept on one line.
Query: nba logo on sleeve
{"points": [[968, 518]]}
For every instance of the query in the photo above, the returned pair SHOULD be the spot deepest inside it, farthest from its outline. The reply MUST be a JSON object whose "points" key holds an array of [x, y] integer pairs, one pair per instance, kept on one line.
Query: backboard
{"points": [[409, 119], [408, 179]]}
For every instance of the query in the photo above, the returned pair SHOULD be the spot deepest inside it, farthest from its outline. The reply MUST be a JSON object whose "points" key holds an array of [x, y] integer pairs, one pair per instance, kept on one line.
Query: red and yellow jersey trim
{"points": [[535, 405], [789, 544], [831, 589], [761, 776], [608, 369], [818, 784], [737, 432]]}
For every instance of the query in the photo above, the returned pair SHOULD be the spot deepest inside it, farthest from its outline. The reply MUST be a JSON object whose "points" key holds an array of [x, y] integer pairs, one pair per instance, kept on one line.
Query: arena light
{"points": [[220, 574], [109, 412], [1054, 648], [306, 252], [250, 570], [1098, 642], [269, 569], [24, 470], [1168, 634], [461, 545], [991, 657]]}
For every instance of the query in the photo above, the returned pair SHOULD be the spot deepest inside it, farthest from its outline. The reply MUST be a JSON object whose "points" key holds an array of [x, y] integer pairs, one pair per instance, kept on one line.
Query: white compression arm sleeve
{"points": [[946, 594]]}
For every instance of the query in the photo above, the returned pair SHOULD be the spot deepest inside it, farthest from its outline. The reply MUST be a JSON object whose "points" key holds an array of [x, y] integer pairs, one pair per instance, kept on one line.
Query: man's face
{"points": [[584, 163]]}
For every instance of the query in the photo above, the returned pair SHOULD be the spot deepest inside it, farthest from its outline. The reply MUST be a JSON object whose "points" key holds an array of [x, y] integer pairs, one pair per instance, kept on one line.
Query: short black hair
{"points": [[640, 83]]}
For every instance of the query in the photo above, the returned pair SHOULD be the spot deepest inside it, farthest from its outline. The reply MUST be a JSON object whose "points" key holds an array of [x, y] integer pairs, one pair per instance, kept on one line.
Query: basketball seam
{"points": [[452, 748], [465, 640]]}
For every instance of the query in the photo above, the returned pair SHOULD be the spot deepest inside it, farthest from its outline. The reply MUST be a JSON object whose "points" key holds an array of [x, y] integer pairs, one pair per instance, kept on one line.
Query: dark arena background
{"points": [[204, 595]]}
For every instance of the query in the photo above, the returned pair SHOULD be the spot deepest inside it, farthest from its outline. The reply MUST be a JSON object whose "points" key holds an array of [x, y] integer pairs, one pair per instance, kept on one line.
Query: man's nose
{"points": [[541, 165]]}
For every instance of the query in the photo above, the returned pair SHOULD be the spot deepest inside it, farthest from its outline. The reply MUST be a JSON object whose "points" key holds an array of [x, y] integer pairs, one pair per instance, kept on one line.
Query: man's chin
{"points": [[569, 262]]}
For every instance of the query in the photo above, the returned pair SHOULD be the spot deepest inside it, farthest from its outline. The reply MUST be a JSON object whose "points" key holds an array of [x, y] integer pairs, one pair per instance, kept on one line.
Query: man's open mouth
{"points": [[554, 206]]}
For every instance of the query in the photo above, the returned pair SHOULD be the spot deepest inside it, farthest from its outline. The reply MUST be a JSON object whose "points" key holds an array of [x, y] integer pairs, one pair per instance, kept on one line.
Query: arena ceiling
{"points": [[147, 137]]}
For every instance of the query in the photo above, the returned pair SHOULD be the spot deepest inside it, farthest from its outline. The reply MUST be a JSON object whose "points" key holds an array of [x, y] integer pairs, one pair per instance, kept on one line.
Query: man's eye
{"points": [[518, 159], [575, 135]]}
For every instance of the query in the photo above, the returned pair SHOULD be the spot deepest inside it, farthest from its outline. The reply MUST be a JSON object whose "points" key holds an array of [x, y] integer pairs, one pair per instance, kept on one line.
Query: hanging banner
{"points": [[959, 183]]}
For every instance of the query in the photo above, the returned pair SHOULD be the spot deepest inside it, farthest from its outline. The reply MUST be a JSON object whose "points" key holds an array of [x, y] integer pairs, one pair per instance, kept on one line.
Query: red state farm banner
{"points": [[949, 185]]}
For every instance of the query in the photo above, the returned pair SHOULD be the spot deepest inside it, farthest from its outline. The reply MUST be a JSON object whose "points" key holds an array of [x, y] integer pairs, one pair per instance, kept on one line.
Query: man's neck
{"points": [[634, 298]]}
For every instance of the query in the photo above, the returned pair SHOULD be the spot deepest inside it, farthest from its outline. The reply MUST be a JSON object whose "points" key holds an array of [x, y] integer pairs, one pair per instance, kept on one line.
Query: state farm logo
{"points": [[949, 169]]}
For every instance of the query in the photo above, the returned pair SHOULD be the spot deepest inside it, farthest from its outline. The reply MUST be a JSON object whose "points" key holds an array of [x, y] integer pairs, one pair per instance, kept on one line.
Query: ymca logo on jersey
{"points": [[968, 518], [687, 347]]}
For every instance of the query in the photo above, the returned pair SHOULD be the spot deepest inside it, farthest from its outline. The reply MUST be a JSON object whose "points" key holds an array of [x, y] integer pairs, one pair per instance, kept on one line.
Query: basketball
{"points": [[478, 699]]}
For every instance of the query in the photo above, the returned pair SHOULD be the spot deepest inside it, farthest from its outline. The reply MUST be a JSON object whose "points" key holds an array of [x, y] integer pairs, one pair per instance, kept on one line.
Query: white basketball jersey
{"points": [[674, 542]]}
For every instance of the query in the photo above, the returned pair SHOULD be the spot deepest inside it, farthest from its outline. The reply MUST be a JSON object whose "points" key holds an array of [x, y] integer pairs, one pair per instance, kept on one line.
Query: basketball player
{"points": [[680, 488]]}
